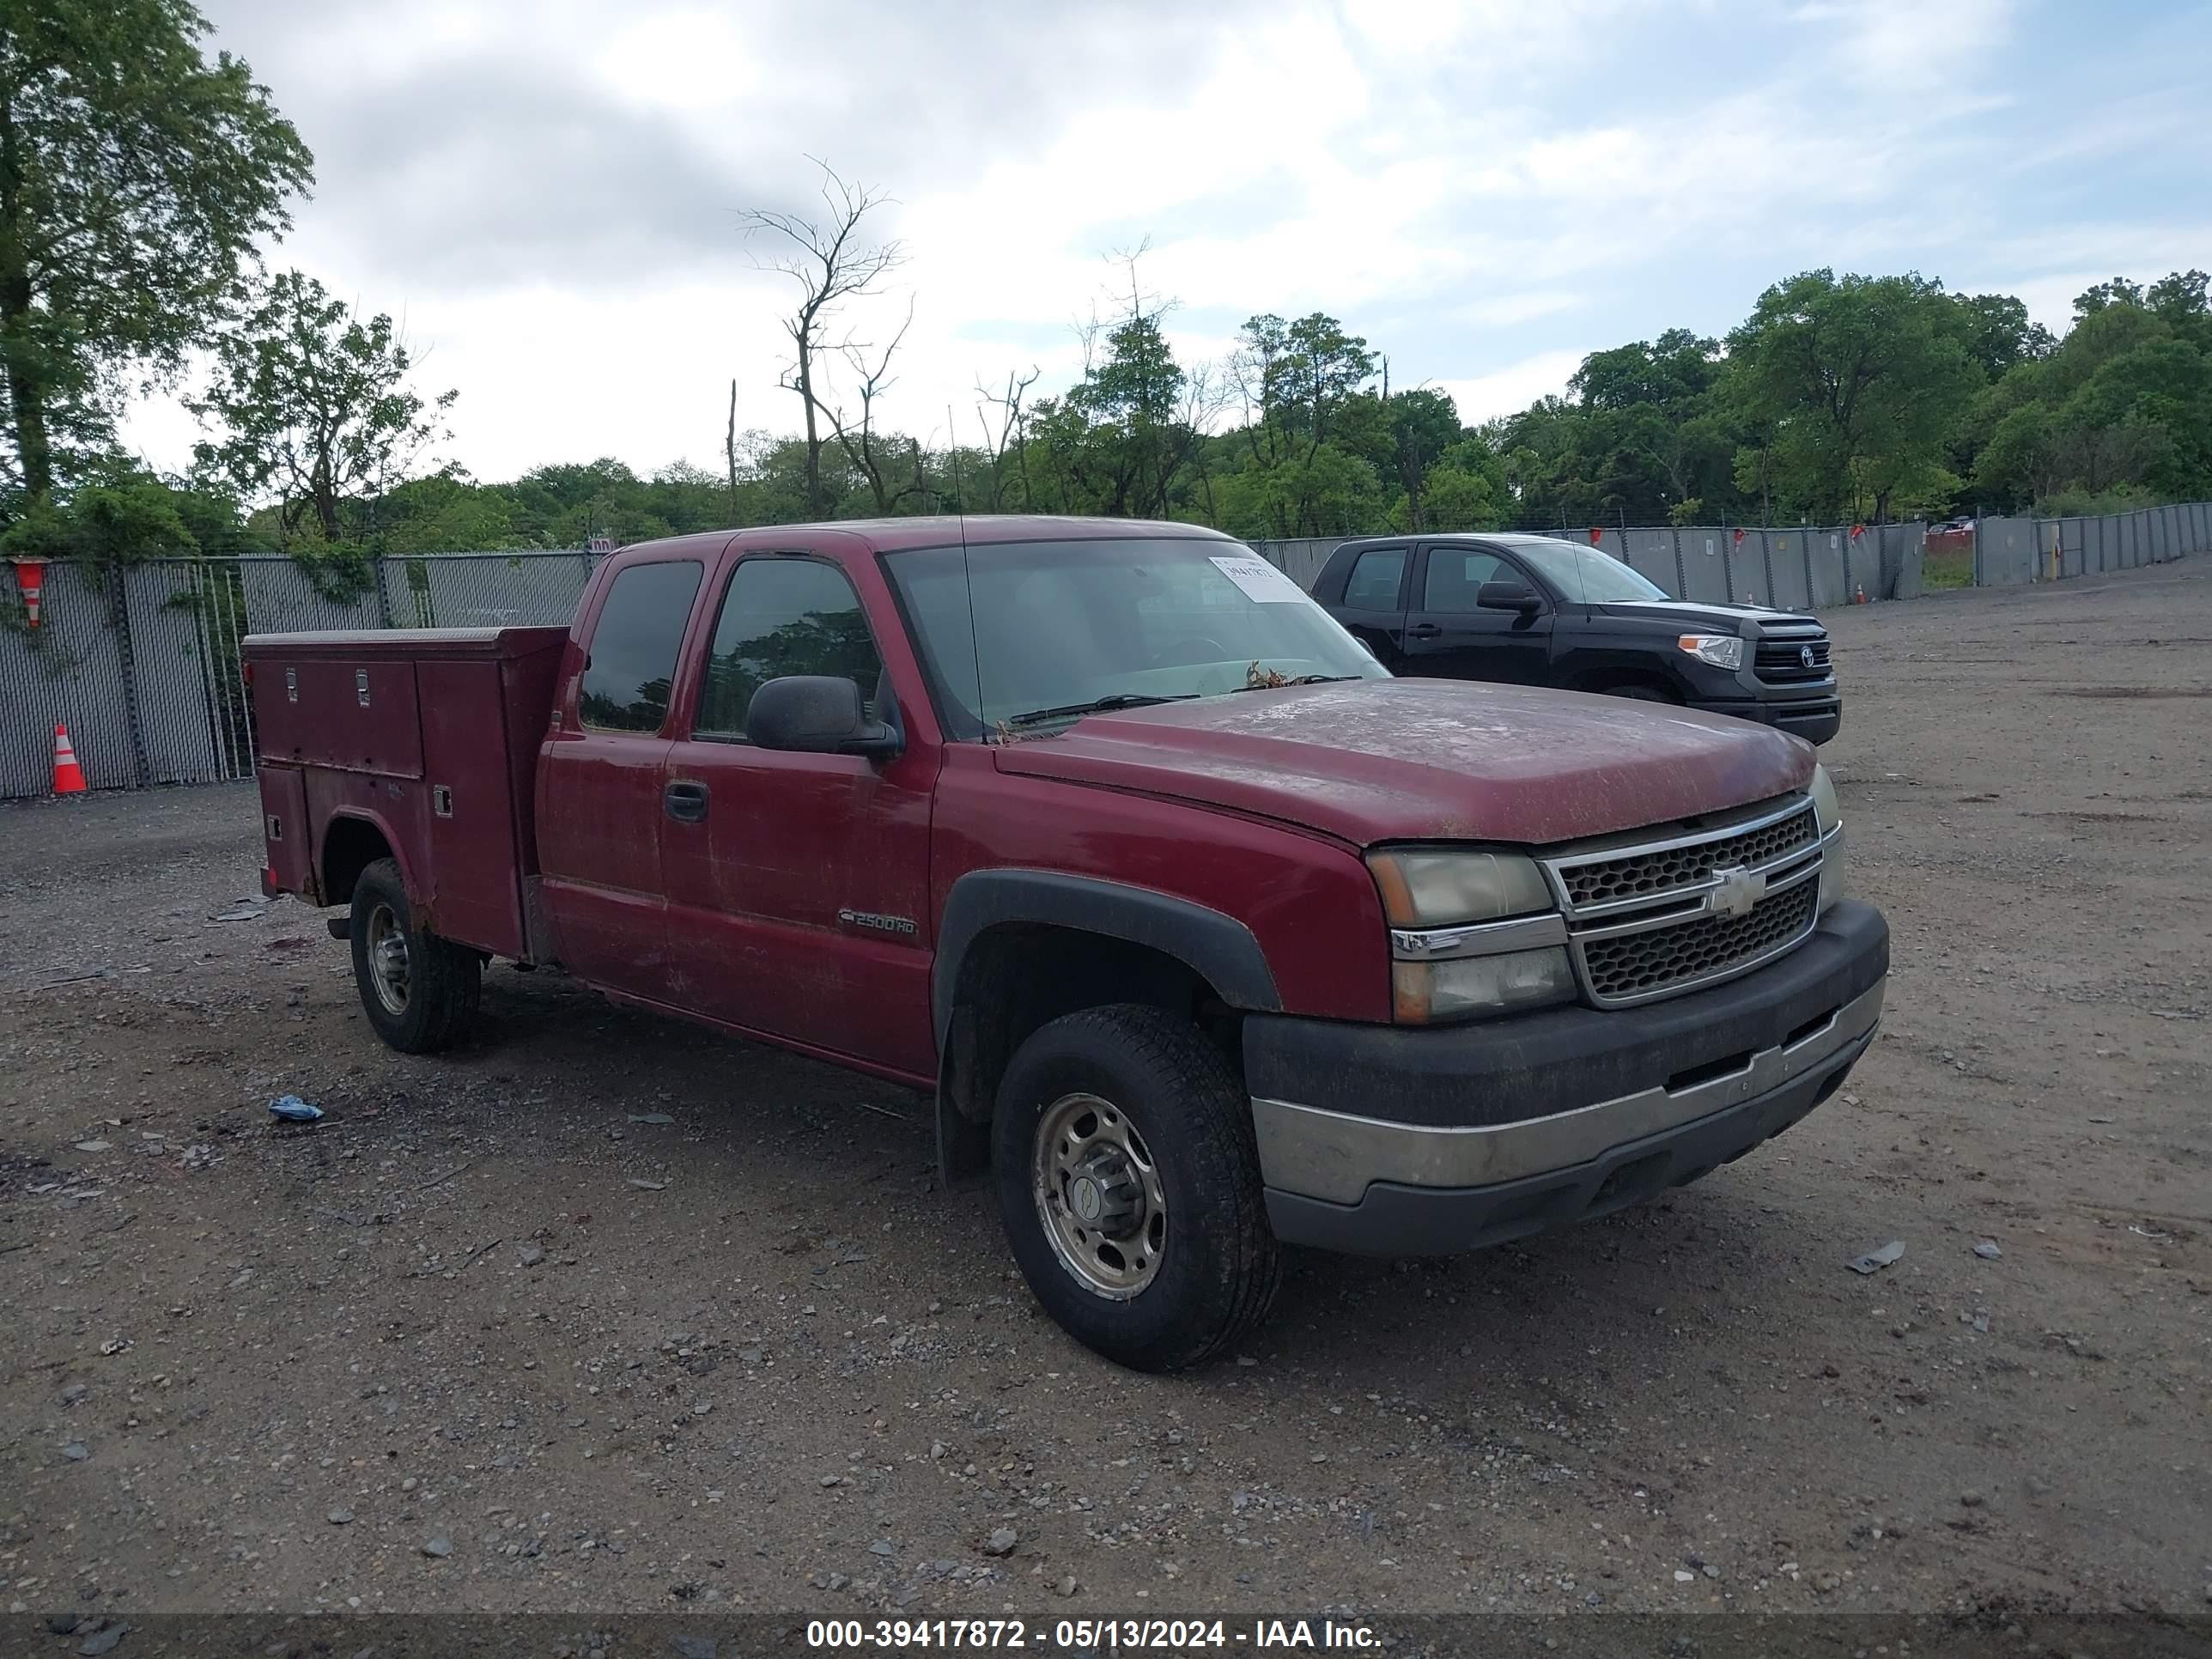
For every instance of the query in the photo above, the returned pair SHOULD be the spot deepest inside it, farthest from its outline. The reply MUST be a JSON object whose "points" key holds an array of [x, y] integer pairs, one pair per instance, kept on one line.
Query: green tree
{"points": [[135, 179], [1860, 381], [315, 406]]}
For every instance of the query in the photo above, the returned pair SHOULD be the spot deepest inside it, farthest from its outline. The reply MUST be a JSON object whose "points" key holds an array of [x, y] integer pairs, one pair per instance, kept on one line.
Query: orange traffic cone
{"points": [[69, 776], [1859, 596]]}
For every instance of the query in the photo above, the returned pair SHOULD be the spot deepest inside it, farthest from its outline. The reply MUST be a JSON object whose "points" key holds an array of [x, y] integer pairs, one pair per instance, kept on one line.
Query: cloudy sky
{"points": [[549, 191]]}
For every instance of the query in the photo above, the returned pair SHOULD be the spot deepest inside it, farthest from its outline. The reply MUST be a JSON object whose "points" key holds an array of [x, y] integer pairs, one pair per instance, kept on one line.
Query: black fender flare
{"points": [[1219, 948]]}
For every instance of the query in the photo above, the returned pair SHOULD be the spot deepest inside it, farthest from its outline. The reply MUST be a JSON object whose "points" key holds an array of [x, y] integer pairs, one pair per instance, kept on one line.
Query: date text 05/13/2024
{"points": [[1087, 1635]]}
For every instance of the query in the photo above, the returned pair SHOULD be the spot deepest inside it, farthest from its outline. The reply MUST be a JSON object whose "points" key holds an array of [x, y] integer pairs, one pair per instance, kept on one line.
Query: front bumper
{"points": [[1815, 719], [1394, 1141]]}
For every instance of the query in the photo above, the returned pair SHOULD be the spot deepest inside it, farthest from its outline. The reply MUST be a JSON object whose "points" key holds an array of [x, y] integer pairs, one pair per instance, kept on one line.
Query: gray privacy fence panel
{"points": [[1829, 574], [1748, 563], [180, 732], [1706, 565], [280, 599], [68, 672], [2004, 552], [1651, 554], [2074, 547], [485, 590], [1793, 580], [1300, 559]]}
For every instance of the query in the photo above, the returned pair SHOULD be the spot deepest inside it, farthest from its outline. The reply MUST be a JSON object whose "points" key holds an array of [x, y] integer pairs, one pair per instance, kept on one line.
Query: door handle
{"points": [[1423, 631], [686, 802]]}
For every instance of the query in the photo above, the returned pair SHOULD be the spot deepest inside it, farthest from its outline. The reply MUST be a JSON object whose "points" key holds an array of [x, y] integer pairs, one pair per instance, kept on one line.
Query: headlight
{"points": [[1828, 812], [1825, 807], [1721, 650], [1466, 987], [1436, 888]]}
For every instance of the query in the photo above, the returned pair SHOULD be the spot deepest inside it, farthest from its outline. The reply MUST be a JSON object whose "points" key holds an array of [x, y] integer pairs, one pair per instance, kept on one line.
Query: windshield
{"points": [[1057, 628], [1584, 576]]}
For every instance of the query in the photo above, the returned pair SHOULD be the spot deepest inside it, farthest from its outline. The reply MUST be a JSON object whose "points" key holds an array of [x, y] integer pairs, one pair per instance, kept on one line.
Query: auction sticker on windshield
{"points": [[1261, 581]]}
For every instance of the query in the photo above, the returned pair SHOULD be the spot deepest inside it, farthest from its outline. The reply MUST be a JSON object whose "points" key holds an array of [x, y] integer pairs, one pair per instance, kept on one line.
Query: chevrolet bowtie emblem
{"points": [[1739, 890]]}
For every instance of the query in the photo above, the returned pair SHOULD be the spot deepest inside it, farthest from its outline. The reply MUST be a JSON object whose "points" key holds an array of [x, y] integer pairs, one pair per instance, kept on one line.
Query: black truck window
{"points": [[1456, 574], [632, 651], [1375, 579]]}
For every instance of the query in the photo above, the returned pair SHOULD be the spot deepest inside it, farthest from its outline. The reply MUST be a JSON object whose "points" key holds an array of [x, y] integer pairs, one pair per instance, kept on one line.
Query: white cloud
{"points": [[1506, 390]]}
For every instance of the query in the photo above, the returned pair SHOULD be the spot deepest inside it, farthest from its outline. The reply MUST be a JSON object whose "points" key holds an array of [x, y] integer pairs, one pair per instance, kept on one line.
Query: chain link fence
{"points": [[141, 664]]}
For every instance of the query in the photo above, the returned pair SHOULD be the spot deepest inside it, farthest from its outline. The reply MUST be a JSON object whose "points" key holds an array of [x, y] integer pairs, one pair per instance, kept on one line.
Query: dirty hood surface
{"points": [[1389, 760]]}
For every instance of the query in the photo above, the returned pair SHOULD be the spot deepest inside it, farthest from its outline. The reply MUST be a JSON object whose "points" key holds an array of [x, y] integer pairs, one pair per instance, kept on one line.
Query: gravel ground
{"points": [[606, 1314]]}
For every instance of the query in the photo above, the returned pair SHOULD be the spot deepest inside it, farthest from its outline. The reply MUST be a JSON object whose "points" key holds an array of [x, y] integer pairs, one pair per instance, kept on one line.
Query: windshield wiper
{"points": [[1097, 706]]}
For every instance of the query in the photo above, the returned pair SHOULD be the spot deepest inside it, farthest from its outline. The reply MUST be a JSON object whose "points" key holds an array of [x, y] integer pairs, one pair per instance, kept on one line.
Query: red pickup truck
{"points": [[1206, 934]]}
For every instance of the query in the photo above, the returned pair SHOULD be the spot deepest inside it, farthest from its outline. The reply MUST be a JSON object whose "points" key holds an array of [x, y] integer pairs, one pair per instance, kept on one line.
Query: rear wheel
{"points": [[1129, 1185], [420, 992]]}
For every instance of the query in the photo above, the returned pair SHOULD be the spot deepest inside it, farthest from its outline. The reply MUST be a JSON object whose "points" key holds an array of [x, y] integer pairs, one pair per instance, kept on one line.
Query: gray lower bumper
{"points": [[1374, 1187]]}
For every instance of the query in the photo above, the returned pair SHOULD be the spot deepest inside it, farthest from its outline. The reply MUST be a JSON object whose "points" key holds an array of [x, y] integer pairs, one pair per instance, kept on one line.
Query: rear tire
{"points": [[420, 992], [1129, 1181]]}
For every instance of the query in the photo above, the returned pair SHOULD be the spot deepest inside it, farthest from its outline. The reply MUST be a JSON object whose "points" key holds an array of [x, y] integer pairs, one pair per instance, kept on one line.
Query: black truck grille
{"points": [[1793, 655], [1650, 874], [1632, 966]]}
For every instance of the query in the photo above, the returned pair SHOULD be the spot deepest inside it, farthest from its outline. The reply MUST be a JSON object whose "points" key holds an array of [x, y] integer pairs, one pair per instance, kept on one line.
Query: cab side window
{"points": [[1455, 577], [783, 615], [1374, 582], [633, 650]]}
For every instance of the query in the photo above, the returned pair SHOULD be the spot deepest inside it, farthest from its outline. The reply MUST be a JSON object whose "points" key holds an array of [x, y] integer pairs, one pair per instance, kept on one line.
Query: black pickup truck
{"points": [[1538, 611]]}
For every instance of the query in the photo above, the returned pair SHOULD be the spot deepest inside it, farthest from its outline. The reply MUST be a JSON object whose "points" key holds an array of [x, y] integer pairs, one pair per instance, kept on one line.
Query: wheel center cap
{"points": [[1085, 1198]]}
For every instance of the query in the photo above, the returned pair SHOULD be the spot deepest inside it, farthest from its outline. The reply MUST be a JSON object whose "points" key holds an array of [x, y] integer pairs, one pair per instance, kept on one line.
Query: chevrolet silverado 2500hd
{"points": [[1205, 933]]}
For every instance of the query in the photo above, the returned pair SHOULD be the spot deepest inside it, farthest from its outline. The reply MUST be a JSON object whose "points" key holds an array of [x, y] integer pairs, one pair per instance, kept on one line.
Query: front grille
{"points": [[1630, 967], [1779, 659], [1650, 873]]}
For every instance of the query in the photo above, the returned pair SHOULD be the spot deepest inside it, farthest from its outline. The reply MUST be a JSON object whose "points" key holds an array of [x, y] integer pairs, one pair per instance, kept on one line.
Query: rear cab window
{"points": [[1376, 580], [631, 663]]}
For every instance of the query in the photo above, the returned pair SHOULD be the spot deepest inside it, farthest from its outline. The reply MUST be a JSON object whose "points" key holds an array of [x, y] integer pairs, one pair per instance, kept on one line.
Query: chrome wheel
{"points": [[1099, 1195], [389, 970]]}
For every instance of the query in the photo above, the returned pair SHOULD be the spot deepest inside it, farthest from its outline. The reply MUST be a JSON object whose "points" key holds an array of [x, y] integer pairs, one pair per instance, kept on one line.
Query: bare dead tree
{"points": [[830, 261], [730, 449], [1010, 430], [860, 440]]}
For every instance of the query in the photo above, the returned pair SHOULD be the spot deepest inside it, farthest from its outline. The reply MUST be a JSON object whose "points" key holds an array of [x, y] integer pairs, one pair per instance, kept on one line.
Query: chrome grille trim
{"points": [[1698, 894]]}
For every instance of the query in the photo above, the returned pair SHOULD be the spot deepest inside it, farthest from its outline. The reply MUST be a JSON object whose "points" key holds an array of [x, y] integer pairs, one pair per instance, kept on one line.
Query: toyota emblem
{"points": [[1805, 655]]}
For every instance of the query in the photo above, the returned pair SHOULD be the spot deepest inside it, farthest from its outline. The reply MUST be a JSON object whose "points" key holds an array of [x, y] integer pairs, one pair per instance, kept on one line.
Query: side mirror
{"points": [[819, 715], [1507, 596]]}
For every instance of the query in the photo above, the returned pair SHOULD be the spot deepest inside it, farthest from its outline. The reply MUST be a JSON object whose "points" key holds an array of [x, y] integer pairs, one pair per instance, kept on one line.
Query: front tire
{"points": [[1129, 1181], [420, 992], [1640, 692]]}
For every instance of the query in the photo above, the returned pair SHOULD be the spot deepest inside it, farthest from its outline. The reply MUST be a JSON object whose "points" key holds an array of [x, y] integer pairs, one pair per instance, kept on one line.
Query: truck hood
{"points": [[1688, 614], [1371, 761]]}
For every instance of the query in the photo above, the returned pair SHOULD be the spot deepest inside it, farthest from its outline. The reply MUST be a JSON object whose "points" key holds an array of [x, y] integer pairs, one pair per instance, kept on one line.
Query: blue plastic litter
{"points": [[293, 1109]]}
